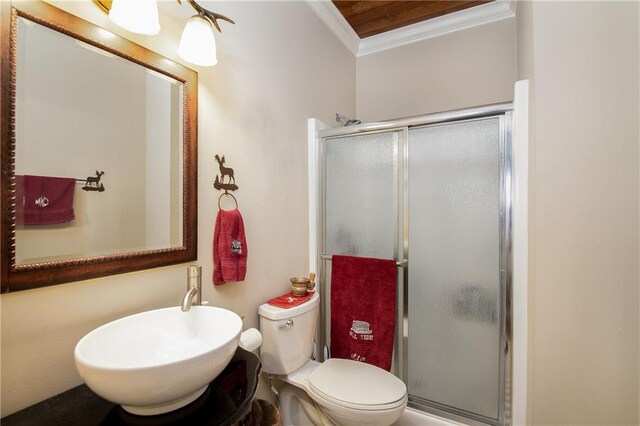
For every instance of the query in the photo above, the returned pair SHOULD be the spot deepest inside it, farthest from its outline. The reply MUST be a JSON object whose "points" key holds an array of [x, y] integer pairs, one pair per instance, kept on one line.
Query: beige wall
{"points": [[583, 58], [278, 66], [458, 70]]}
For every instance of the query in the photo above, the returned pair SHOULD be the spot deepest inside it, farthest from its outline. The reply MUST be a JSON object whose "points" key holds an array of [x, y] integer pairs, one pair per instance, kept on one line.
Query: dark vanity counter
{"points": [[227, 399]]}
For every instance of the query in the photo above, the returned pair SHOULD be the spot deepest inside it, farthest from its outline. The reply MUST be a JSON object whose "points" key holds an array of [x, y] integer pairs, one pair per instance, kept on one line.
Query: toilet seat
{"points": [[356, 385]]}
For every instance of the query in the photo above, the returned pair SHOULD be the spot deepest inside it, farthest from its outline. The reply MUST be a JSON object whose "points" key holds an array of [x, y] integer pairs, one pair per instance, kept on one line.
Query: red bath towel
{"points": [[363, 309], [229, 248], [44, 200]]}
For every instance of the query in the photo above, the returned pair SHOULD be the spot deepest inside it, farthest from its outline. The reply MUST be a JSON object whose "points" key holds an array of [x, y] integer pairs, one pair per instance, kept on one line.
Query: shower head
{"points": [[347, 121]]}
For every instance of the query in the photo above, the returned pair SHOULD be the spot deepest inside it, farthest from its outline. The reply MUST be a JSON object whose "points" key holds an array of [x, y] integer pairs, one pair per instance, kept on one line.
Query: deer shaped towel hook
{"points": [[93, 183], [219, 183]]}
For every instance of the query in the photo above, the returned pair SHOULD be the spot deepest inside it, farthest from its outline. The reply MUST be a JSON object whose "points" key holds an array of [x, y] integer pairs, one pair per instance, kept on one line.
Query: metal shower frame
{"points": [[502, 111]]}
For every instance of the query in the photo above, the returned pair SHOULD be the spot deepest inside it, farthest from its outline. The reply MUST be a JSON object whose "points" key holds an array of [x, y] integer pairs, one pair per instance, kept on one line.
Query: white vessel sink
{"points": [[158, 361]]}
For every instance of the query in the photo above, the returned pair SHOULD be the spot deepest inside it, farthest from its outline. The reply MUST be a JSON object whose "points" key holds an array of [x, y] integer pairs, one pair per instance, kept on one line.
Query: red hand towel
{"points": [[44, 200], [363, 309], [288, 300], [229, 247]]}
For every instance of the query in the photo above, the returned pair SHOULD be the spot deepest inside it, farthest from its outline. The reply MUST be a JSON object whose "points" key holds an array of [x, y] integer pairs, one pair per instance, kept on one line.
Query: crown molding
{"points": [[461, 20], [332, 18]]}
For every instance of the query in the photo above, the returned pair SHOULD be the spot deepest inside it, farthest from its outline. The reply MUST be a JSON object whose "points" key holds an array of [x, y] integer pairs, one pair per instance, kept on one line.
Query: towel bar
{"points": [[398, 262]]}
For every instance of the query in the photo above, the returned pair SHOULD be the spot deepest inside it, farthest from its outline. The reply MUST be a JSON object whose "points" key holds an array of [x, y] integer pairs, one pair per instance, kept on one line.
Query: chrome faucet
{"points": [[194, 287]]}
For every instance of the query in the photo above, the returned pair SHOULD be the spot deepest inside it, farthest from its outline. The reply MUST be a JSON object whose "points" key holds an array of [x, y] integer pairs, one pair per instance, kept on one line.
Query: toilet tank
{"points": [[287, 335]]}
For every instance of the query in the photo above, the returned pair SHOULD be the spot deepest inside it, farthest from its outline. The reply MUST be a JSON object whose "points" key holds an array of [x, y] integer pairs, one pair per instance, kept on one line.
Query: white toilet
{"points": [[337, 391]]}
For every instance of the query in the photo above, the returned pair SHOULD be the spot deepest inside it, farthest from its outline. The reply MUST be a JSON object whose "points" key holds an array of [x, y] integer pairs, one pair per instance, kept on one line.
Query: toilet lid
{"points": [[356, 383]]}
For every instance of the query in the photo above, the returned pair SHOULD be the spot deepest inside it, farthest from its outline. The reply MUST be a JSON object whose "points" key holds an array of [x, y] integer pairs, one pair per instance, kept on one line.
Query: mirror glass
{"points": [[99, 144], [82, 112]]}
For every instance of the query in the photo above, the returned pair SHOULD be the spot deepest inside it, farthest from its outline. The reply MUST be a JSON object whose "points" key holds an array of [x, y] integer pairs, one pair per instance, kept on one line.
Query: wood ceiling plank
{"points": [[351, 8], [373, 17]]}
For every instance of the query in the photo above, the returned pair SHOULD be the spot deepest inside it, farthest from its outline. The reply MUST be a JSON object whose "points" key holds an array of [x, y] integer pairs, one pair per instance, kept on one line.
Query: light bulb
{"points": [[137, 16], [197, 44]]}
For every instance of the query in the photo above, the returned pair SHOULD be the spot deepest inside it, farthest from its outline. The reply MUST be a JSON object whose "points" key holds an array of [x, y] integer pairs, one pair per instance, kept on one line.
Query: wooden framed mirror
{"points": [[99, 152]]}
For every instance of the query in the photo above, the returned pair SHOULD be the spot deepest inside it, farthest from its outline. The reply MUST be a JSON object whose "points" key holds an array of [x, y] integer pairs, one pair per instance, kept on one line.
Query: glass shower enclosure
{"points": [[433, 193]]}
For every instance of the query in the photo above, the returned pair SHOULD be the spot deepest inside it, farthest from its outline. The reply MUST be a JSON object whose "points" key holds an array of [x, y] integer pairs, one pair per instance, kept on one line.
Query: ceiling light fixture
{"points": [[197, 43]]}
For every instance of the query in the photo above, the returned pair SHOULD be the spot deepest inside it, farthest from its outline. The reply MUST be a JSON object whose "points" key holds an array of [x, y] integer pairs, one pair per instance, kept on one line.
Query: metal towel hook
{"points": [[230, 195]]}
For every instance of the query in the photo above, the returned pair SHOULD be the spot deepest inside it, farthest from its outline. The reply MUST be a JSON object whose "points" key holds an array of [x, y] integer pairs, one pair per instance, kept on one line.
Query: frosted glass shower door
{"points": [[361, 193], [454, 285], [361, 205]]}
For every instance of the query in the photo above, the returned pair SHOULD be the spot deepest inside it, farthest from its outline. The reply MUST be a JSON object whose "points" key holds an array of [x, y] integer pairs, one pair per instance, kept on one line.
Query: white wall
{"points": [[583, 62], [278, 66], [163, 137], [458, 70]]}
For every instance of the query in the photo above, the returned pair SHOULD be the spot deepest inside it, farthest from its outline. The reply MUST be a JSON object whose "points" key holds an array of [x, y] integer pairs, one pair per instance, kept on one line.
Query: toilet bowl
{"points": [[297, 408], [343, 392]]}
